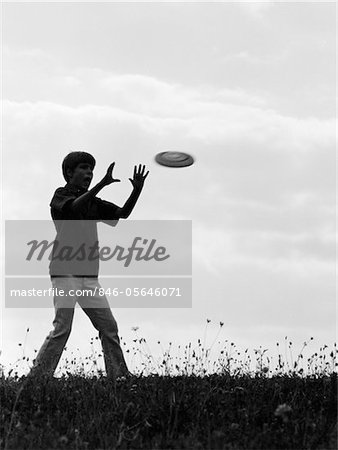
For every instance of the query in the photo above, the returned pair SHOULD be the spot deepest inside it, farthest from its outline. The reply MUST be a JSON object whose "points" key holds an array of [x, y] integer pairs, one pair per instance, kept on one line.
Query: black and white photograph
{"points": [[168, 225]]}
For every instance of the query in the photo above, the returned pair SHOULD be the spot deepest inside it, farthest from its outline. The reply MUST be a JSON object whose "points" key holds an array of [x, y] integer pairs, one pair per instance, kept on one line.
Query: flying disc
{"points": [[174, 159]]}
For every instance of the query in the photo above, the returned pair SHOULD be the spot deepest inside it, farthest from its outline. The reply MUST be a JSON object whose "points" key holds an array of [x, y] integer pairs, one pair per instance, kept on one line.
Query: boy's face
{"points": [[81, 176]]}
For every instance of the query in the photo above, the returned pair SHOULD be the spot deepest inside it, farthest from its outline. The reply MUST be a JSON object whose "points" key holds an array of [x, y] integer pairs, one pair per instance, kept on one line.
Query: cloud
{"points": [[236, 145], [262, 185], [254, 9], [247, 153]]}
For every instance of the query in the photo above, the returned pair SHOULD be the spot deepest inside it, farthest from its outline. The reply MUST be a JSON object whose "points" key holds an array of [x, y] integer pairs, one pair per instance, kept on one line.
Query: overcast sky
{"points": [[248, 89]]}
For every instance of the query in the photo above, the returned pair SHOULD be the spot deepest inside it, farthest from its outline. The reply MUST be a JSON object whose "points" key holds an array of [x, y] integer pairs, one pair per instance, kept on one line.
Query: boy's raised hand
{"points": [[139, 176], [108, 178]]}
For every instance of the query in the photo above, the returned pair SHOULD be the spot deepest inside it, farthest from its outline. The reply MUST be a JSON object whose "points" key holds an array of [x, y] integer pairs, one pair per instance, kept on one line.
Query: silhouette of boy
{"points": [[76, 202]]}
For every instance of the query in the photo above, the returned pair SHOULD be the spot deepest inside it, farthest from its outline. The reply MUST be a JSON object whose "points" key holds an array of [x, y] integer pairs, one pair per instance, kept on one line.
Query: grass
{"points": [[184, 399]]}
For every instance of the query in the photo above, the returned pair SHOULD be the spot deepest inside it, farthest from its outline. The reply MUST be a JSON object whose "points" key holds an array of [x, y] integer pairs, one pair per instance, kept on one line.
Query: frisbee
{"points": [[174, 159]]}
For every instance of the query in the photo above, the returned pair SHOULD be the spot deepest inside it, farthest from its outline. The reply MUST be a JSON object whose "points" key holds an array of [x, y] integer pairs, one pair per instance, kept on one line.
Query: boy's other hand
{"points": [[139, 176], [108, 178]]}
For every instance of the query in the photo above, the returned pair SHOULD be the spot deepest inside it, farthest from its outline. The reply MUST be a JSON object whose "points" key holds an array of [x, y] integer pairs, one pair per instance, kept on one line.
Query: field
{"points": [[182, 406]]}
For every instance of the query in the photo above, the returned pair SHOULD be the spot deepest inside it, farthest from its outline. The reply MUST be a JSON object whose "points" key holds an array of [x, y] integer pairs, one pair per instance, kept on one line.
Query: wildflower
{"points": [[283, 411], [239, 389], [63, 440]]}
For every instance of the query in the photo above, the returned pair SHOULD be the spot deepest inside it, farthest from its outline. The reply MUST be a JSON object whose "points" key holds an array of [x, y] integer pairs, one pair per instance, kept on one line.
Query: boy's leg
{"points": [[97, 309], [51, 350]]}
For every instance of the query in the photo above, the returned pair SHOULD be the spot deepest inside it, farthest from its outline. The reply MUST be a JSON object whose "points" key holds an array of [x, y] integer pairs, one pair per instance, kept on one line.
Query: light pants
{"points": [[97, 309]]}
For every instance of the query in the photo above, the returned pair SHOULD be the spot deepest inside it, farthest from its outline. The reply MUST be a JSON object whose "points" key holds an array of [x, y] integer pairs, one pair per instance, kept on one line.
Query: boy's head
{"points": [[77, 167]]}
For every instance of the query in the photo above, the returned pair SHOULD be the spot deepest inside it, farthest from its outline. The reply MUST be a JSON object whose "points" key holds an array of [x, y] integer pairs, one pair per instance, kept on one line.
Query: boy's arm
{"points": [[79, 203], [137, 181]]}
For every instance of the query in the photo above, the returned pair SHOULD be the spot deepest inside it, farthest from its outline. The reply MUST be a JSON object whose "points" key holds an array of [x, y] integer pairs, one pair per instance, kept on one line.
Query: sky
{"points": [[248, 89]]}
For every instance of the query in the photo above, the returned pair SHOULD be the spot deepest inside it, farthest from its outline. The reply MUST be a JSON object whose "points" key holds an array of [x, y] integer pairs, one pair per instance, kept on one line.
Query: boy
{"points": [[75, 202]]}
